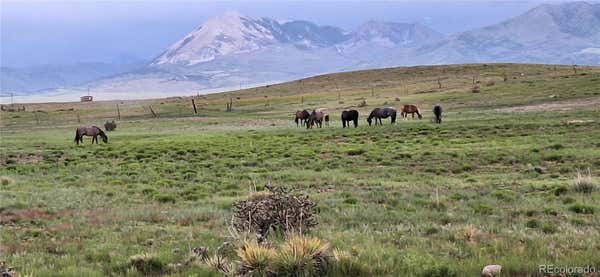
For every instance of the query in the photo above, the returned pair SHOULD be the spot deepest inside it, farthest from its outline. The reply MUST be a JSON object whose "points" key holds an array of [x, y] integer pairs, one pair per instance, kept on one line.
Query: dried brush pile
{"points": [[276, 210]]}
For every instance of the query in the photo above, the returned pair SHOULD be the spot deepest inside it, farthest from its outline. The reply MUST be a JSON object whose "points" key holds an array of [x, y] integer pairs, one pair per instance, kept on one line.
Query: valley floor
{"points": [[493, 184]]}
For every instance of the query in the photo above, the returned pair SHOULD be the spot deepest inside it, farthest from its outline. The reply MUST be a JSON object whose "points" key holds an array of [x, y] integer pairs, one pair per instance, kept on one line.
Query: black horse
{"points": [[347, 116], [437, 112], [93, 132], [379, 113]]}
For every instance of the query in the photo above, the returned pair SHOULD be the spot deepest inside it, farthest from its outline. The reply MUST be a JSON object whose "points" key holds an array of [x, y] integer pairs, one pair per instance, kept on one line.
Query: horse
{"points": [[93, 132], [301, 117], [437, 112], [347, 116], [379, 113], [325, 115], [411, 109], [316, 117]]}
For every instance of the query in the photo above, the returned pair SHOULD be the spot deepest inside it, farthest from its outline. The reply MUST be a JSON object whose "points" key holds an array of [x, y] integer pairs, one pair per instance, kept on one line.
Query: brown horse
{"points": [[437, 112], [301, 117], [325, 115], [347, 116], [411, 109], [379, 113], [93, 132], [316, 117]]}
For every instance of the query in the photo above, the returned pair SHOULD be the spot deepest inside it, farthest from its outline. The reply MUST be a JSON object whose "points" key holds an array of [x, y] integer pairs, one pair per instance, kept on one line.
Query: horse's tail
{"points": [[76, 136], [296, 120]]}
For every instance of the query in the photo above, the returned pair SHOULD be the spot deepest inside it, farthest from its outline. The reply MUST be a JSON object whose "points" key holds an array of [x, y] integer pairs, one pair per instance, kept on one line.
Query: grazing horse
{"points": [[347, 116], [93, 132], [379, 113], [437, 112], [411, 109], [316, 117], [301, 118], [325, 115]]}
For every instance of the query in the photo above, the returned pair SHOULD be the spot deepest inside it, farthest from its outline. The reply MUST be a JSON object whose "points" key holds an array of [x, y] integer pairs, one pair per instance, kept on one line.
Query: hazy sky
{"points": [[51, 32]]}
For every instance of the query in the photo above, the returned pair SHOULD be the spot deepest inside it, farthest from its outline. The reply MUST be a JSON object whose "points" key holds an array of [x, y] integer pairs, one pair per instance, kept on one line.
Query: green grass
{"points": [[415, 199]]}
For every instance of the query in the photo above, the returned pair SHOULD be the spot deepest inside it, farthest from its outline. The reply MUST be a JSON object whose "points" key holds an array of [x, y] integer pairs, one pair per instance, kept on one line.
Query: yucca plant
{"points": [[301, 256], [219, 264], [255, 259]]}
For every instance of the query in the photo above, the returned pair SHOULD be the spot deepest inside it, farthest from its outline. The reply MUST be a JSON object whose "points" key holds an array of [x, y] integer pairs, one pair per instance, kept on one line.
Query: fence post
{"points": [[118, 112], [194, 105], [152, 111]]}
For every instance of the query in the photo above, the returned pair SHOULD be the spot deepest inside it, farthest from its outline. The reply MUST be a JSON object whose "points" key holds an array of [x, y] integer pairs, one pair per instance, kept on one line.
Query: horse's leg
{"points": [[355, 123]]}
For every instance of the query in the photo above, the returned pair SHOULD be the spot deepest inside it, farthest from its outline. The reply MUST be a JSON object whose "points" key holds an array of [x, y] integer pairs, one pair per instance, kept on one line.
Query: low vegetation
{"points": [[496, 183]]}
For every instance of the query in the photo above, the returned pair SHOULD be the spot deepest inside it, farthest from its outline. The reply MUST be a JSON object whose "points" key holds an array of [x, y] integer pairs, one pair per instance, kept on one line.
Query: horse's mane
{"points": [[100, 131]]}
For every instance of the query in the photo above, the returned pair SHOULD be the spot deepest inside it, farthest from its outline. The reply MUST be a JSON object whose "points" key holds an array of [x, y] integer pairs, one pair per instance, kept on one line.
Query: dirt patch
{"points": [[555, 106], [25, 216]]}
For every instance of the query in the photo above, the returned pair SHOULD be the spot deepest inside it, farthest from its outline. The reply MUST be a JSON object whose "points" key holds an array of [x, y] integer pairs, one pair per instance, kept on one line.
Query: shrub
{"points": [[581, 209], [560, 190], [110, 125], [355, 152], [165, 198], [5, 181], [568, 200], [146, 263], [482, 208], [277, 210], [584, 183], [549, 228], [532, 223], [438, 271], [504, 194]]}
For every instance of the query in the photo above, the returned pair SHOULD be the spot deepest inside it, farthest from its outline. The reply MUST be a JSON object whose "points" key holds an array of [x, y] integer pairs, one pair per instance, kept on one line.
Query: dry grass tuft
{"points": [[584, 182]]}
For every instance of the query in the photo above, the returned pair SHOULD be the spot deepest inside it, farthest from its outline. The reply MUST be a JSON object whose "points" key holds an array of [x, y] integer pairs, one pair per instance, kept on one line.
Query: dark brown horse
{"points": [[347, 116], [93, 132], [316, 117], [411, 109], [379, 113], [301, 118], [437, 112]]}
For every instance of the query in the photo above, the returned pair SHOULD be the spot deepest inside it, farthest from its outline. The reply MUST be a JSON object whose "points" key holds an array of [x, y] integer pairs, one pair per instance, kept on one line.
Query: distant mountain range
{"points": [[233, 49]]}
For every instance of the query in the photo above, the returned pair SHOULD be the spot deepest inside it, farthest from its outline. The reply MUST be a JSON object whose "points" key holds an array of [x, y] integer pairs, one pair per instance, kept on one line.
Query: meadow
{"points": [[495, 183]]}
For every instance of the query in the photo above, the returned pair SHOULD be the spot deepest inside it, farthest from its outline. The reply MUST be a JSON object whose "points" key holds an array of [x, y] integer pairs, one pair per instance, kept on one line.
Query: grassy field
{"points": [[494, 184]]}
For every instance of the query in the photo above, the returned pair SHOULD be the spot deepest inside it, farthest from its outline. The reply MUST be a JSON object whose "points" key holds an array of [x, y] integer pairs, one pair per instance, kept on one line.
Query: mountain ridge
{"points": [[232, 49]]}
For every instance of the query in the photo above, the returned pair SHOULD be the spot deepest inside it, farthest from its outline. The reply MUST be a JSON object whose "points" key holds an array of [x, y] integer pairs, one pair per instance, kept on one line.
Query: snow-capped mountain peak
{"points": [[224, 34]]}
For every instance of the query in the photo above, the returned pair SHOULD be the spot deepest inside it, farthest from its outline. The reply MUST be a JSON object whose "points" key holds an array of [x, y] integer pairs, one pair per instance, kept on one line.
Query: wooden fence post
{"points": [[152, 111], [118, 112], [194, 105]]}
